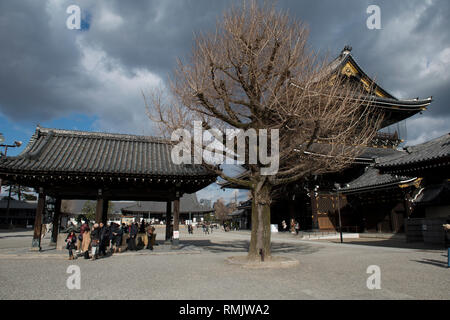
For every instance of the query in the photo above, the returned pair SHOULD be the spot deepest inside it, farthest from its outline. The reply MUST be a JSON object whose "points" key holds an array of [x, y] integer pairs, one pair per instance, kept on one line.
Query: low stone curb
{"points": [[277, 262], [62, 256]]}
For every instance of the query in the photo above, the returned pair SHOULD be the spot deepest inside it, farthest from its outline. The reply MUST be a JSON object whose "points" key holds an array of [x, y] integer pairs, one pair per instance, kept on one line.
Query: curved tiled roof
{"points": [[437, 149], [75, 152], [372, 179]]}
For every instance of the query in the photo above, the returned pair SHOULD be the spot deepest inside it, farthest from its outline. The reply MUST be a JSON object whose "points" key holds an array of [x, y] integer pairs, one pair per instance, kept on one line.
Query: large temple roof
{"points": [[78, 152], [395, 109]]}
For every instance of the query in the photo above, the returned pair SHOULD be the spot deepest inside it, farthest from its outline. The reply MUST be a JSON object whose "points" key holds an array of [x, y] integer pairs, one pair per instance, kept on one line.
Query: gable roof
{"points": [[372, 179], [395, 109], [436, 151], [95, 153]]}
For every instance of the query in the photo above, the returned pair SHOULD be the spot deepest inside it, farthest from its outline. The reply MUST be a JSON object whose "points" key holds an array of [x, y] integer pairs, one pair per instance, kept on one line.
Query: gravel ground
{"points": [[326, 270]]}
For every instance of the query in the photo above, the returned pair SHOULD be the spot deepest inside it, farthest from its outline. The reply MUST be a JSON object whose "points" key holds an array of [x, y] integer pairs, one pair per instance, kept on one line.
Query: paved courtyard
{"points": [[327, 270]]}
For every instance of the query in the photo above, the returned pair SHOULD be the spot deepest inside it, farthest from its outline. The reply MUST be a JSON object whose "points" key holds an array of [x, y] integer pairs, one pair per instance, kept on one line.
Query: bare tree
{"points": [[221, 211], [256, 72]]}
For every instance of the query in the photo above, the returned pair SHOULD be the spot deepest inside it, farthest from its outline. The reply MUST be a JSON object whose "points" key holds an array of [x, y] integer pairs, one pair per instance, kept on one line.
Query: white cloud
{"points": [[116, 98], [427, 128], [438, 67], [108, 20]]}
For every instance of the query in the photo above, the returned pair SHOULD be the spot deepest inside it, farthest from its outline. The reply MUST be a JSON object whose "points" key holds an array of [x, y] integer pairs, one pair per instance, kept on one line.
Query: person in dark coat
{"points": [[150, 230], [142, 227], [132, 231], [71, 243], [95, 240], [116, 236], [105, 237]]}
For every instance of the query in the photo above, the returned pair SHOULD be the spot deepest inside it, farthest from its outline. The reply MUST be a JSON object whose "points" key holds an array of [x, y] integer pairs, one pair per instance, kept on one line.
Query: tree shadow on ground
{"points": [[243, 246], [392, 244], [437, 263]]}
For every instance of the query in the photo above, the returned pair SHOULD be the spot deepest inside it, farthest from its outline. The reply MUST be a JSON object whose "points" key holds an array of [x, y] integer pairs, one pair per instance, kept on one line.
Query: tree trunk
{"points": [[260, 248]]}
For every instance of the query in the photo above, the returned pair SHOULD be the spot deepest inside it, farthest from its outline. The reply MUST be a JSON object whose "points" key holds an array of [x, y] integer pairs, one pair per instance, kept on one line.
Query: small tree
{"points": [[256, 72], [90, 207], [221, 211], [88, 210]]}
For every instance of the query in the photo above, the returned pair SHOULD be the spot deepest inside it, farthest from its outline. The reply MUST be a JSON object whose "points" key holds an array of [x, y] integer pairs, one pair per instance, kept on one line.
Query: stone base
{"points": [[276, 262]]}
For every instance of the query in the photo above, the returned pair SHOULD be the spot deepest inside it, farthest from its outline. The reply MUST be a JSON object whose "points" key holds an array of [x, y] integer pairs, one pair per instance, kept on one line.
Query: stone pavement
{"points": [[326, 270]]}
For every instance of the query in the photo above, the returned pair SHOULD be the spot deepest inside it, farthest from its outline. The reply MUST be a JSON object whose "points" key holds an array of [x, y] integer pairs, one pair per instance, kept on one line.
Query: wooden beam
{"points": [[36, 243], [100, 206], [176, 222], [168, 218], [56, 217], [105, 211]]}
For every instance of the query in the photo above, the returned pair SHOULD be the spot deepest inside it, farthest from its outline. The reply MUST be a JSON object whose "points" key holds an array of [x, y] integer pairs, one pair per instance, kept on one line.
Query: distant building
{"points": [[19, 214], [206, 203], [190, 209]]}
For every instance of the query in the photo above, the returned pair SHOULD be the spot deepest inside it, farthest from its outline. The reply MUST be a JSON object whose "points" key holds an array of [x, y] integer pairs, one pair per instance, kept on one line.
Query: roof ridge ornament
{"points": [[347, 49]]}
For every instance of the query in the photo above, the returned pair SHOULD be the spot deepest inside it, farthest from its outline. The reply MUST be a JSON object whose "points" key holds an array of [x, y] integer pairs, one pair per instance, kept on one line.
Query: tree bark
{"points": [[260, 248]]}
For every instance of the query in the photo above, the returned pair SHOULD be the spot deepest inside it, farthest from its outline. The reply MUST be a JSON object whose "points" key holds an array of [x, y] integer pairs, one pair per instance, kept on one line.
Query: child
{"points": [[71, 241]]}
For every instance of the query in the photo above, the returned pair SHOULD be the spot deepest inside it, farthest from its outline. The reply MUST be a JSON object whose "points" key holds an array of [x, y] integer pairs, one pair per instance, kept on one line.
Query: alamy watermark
{"points": [[73, 22], [208, 147], [374, 20], [374, 280], [74, 280]]}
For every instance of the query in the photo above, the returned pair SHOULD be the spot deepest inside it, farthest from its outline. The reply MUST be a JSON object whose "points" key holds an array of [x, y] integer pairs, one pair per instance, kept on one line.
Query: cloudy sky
{"points": [[91, 79]]}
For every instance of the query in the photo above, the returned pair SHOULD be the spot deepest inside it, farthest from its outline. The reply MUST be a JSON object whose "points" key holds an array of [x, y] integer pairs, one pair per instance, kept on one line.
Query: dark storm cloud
{"points": [[34, 60], [48, 71]]}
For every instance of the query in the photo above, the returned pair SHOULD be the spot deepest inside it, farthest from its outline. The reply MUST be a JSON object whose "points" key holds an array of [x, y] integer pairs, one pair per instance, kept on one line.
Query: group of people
{"points": [[233, 225], [294, 226], [103, 239], [206, 227]]}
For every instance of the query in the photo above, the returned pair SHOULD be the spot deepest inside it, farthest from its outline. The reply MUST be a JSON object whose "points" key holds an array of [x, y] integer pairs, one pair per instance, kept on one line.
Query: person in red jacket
{"points": [[71, 241]]}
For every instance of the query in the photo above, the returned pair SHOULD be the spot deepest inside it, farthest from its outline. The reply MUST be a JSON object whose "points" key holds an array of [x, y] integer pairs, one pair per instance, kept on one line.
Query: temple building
{"points": [[190, 210], [16, 213], [68, 164], [317, 201]]}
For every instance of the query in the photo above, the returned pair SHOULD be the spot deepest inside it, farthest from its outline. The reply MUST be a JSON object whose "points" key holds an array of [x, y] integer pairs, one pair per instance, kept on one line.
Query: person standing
{"points": [[284, 225], [447, 241], [115, 234], [86, 243], [292, 227], [101, 228], [150, 230], [132, 231], [95, 238], [142, 227], [105, 238], [71, 241], [84, 227]]}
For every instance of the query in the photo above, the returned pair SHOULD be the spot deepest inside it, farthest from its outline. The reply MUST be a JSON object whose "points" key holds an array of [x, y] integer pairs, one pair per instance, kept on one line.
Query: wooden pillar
{"points": [[168, 218], [36, 243], [105, 211], [314, 210], [56, 219], [176, 222], [101, 211]]}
